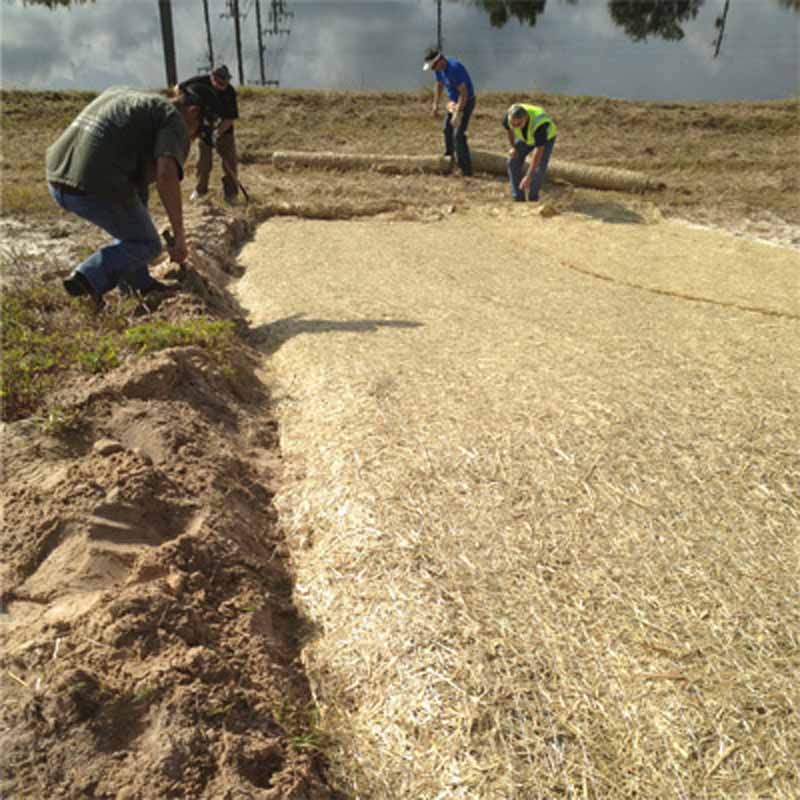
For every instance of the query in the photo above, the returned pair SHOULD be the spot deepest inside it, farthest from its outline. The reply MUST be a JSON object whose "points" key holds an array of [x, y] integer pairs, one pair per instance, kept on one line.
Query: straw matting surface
{"points": [[546, 525]]}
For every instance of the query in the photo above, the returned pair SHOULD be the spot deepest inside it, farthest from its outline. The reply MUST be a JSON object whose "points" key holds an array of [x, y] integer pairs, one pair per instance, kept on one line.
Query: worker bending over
{"points": [[529, 128], [453, 76], [100, 168], [227, 111]]}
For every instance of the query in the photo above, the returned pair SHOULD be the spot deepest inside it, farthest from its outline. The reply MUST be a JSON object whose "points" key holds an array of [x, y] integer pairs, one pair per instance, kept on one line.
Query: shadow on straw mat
{"points": [[607, 211], [271, 336]]}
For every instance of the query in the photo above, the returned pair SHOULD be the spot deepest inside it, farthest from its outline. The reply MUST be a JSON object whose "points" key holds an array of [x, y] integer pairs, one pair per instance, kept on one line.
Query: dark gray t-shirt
{"points": [[111, 147]]}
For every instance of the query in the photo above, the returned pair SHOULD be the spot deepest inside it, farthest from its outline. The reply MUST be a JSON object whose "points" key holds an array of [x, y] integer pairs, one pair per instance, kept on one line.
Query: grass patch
{"points": [[24, 199], [46, 337], [160, 335]]}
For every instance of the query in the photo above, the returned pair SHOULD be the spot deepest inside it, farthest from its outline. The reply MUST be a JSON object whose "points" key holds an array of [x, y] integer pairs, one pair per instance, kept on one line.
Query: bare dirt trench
{"points": [[520, 451]]}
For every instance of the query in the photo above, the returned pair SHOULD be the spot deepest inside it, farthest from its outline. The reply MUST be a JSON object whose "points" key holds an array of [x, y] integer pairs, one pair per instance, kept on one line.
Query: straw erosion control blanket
{"points": [[541, 491]]}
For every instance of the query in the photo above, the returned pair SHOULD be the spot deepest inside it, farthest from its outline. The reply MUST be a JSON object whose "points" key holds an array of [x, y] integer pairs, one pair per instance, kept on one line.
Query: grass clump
{"points": [[160, 334], [46, 337]]}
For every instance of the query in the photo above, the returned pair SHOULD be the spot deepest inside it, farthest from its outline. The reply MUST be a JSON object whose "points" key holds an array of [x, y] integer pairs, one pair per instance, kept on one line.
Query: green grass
{"points": [[46, 338], [159, 335]]}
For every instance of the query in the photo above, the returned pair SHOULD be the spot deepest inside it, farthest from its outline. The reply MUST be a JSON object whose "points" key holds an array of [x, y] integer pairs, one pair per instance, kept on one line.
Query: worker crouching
{"points": [[100, 168], [226, 108], [529, 129]]}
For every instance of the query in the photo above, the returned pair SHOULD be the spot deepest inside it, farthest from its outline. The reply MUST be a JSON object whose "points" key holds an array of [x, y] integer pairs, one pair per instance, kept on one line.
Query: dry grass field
{"points": [[531, 481], [705, 152]]}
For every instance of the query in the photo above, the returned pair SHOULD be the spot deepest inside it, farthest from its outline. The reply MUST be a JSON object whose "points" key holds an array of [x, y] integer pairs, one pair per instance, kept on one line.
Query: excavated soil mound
{"points": [[150, 643]]}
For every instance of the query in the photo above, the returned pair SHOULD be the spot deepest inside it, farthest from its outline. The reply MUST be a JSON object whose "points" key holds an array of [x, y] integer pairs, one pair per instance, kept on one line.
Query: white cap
{"points": [[431, 59]]}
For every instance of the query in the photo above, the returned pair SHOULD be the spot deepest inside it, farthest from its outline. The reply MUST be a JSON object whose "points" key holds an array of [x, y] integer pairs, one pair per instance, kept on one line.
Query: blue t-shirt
{"points": [[452, 76]]}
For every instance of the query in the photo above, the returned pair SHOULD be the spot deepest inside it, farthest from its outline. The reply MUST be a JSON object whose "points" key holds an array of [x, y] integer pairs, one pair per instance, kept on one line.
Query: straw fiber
{"points": [[545, 525]]}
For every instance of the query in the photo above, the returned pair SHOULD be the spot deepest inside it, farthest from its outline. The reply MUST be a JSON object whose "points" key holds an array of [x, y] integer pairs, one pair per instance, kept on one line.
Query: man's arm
{"points": [[535, 159], [458, 106], [462, 98], [510, 134], [437, 96], [169, 190]]}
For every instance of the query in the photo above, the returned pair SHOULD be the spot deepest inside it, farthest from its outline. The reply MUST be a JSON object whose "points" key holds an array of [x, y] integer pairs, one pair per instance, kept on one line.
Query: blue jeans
{"points": [[136, 240], [515, 166], [461, 146]]}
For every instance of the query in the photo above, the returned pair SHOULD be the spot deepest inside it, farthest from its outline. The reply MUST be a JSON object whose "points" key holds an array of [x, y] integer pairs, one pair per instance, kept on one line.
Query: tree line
{"points": [[638, 18]]}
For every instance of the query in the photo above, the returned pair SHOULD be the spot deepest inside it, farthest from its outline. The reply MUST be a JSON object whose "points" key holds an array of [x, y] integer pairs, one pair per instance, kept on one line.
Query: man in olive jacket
{"points": [[100, 168]]}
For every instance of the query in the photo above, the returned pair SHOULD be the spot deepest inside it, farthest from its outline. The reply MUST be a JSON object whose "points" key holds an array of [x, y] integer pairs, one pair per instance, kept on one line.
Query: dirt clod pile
{"points": [[149, 636]]}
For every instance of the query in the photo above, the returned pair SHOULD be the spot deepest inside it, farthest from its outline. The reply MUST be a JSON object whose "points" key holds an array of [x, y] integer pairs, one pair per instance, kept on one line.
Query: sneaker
{"points": [[158, 286], [195, 196], [77, 285]]}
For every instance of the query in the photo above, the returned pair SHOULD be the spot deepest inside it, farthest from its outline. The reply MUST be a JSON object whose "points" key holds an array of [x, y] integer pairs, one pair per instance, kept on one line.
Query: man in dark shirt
{"points": [[100, 168], [227, 111], [529, 128], [452, 76]]}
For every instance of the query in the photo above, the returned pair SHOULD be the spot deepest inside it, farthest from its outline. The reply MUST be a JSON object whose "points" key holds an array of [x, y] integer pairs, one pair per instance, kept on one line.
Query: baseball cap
{"points": [[431, 57], [221, 72]]}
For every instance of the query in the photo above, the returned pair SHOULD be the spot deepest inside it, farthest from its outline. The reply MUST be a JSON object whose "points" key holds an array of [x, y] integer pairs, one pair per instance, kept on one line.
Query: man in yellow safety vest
{"points": [[529, 128]]}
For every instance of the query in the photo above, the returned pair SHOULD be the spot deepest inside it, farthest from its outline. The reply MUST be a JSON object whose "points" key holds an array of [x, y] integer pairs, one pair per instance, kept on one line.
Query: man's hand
{"points": [[435, 112], [179, 251], [176, 247], [525, 182], [512, 152]]}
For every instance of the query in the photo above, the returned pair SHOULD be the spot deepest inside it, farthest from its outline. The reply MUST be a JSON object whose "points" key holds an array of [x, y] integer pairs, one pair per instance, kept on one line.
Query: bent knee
{"points": [[144, 249], [153, 248]]}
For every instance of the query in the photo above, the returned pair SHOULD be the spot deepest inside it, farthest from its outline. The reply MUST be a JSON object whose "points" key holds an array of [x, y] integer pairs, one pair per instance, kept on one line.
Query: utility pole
{"points": [[234, 10], [260, 42], [168, 38], [439, 25], [208, 37]]}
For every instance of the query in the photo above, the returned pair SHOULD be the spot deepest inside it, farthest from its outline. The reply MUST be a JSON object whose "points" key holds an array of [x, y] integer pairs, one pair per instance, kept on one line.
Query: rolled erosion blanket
{"points": [[622, 180], [393, 164], [482, 161]]}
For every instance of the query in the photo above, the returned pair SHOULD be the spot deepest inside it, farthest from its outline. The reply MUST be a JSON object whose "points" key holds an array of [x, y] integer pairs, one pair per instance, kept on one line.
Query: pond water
{"points": [[637, 49]]}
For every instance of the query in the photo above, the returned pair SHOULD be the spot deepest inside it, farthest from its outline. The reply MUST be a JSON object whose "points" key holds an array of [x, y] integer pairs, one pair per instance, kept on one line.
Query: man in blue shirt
{"points": [[453, 76]]}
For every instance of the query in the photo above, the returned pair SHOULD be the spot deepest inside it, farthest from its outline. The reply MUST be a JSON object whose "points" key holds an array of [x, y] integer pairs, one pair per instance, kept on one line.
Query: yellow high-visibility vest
{"points": [[536, 118]]}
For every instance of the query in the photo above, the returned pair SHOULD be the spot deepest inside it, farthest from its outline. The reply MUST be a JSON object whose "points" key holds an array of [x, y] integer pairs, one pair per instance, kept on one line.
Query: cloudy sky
{"points": [[377, 44]]}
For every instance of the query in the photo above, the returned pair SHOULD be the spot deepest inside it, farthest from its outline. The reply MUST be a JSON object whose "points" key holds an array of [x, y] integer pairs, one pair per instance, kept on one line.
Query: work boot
{"points": [[158, 286], [77, 285]]}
